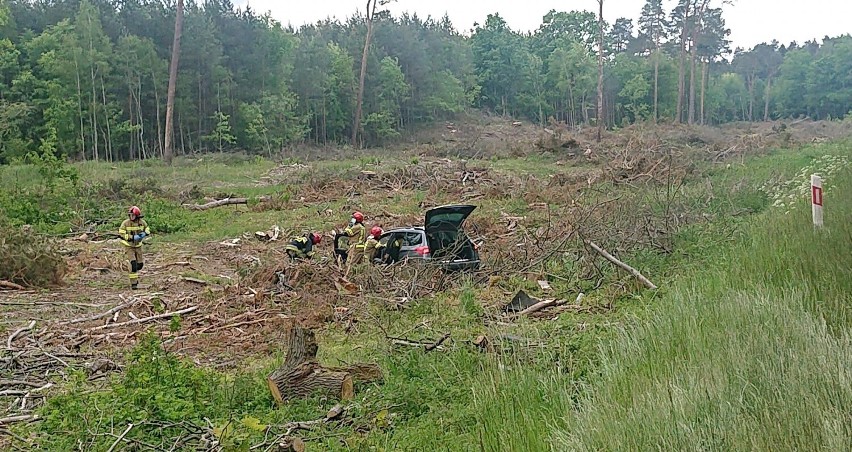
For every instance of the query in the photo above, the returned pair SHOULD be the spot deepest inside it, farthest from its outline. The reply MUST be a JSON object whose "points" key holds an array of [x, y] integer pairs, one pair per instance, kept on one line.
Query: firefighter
{"points": [[357, 234], [303, 247], [372, 247], [341, 247], [132, 231]]}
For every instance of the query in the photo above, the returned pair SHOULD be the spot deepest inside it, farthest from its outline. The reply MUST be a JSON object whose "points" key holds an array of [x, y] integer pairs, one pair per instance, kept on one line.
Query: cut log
{"points": [[291, 445], [622, 265], [217, 203], [302, 376], [362, 373], [11, 285]]}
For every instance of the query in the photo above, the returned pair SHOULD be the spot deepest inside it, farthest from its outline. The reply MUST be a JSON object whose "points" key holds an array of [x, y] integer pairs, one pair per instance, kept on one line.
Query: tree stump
{"points": [[302, 376], [291, 445]]}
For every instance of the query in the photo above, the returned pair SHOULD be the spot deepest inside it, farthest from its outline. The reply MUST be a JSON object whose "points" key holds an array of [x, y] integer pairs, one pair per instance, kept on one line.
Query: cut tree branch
{"points": [[11, 285], [20, 418], [121, 437], [548, 303], [17, 332], [146, 319], [103, 314], [217, 203], [623, 266]]}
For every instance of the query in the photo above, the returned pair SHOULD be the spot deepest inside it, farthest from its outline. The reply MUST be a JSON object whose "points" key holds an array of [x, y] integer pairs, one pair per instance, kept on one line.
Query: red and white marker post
{"points": [[816, 200]]}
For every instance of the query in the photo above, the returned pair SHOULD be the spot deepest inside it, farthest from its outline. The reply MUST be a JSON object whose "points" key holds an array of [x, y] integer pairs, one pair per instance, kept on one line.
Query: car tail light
{"points": [[422, 250]]}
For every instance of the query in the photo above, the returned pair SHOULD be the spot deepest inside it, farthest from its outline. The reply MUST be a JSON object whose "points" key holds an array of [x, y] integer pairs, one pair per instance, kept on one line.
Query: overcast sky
{"points": [[750, 21]]}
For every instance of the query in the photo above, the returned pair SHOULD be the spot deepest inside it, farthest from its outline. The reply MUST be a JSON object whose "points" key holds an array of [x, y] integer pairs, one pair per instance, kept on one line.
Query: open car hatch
{"points": [[447, 218], [444, 233]]}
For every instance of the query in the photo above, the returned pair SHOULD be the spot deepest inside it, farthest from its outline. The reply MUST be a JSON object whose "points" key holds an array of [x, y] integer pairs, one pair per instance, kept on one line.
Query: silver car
{"points": [[441, 241]]}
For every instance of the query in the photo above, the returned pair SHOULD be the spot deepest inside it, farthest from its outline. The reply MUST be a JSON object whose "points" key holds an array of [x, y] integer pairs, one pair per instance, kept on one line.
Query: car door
{"points": [[412, 244], [390, 247]]}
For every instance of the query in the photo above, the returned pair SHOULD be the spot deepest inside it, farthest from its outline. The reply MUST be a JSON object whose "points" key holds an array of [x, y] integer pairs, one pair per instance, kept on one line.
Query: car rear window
{"points": [[412, 239]]}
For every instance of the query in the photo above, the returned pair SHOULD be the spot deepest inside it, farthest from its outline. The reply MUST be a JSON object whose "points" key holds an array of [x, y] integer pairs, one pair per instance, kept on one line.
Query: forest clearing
{"points": [[184, 360], [587, 231]]}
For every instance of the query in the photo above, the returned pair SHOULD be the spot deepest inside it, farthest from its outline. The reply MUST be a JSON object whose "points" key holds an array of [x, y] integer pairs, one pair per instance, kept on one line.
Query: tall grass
{"points": [[754, 353]]}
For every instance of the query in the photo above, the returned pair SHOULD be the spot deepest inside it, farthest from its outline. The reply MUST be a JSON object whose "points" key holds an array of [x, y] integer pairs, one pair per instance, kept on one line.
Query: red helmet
{"points": [[135, 211], [358, 216], [376, 232], [316, 238]]}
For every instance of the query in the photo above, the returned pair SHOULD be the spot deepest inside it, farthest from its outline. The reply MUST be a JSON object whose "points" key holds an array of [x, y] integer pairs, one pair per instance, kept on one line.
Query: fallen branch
{"points": [[10, 285], [103, 314], [17, 332], [549, 303], [194, 280], [19, 383], [20, 418], [539, 306], [218, 203], [623, 266], [121, 437], [173, 264], [438, 343], [146, 319], [427, 346]]}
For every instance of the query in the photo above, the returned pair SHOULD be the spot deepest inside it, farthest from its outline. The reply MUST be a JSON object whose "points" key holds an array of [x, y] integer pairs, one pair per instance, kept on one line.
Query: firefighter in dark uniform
{"points": [[303, 247]]}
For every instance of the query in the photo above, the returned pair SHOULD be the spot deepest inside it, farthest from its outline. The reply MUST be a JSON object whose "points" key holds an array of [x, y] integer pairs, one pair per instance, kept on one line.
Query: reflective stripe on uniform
{"points": [[359, 232], [130, 228]]}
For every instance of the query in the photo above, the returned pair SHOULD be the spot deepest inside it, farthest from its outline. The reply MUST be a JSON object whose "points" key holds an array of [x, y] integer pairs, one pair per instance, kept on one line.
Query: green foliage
{"points": [[469, 303], [221, 133], [155, 389], [52, 168], [166, 217], [93, 72]]}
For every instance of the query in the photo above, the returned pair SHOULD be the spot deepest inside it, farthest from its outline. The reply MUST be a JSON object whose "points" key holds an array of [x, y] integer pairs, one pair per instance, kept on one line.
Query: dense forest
{"points": [[88, 78]]}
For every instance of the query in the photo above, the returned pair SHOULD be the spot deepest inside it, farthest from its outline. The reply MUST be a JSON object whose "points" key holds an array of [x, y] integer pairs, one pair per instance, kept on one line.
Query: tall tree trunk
{"points": [[80, 109], [691, 113], [140, 119], [767, 95], [168, 152], [699, 15], [600, 71], [132, 150], [681, 82], [160, 145], [656, 83], [106, 118], [94, 116], [704, 75], [359, 103], [751, 98], [572, 118]]}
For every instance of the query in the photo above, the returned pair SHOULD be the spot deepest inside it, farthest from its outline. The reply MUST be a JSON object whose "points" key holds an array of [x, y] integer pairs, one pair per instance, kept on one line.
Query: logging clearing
{"points": [[292, 355]]}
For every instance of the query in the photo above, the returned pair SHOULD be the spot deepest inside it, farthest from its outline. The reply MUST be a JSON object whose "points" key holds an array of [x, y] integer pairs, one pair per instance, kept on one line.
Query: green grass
{"points": [[746, 346], [749, 353]]}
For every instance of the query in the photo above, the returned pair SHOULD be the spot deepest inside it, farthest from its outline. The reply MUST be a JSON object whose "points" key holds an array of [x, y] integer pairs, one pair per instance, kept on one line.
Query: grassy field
{"points": [[747, 344]]}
